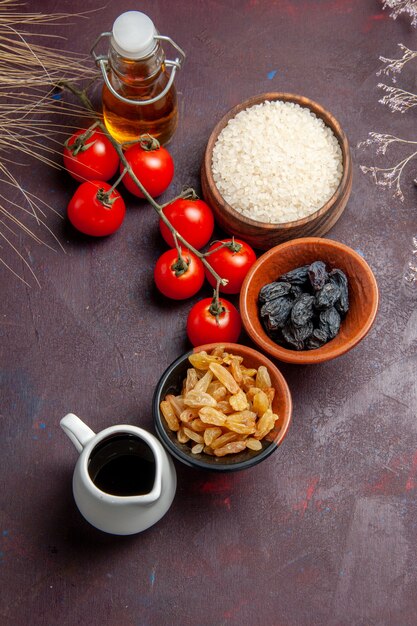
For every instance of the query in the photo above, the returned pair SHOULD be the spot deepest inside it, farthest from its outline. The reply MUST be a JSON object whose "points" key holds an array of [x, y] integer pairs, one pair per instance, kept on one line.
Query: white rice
{"points": [[277, 162]]}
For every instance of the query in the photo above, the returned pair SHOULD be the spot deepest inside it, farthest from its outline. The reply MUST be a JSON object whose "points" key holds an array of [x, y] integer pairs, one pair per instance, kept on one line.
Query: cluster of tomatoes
{"points": [[98, 209], [182, 276]]}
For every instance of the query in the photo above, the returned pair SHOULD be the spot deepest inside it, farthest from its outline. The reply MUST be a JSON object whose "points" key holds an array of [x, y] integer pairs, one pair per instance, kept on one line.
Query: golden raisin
{"points": [[253, 444], [260, 403], [223, 440], [169, 415], [195, 399], [188, 415], [202, 360], [225, 377], [230, 448], [239, 401], [210, 434], [182, 437], [192, 435], [263, 379], [204, 382], [265, 424], [197, 425], [208, 415], [177, 403], [191, 379]]}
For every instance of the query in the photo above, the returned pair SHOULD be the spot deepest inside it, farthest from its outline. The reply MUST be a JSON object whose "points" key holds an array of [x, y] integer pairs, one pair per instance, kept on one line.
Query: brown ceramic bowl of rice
{"points": [[277, 167], [362, 290]]}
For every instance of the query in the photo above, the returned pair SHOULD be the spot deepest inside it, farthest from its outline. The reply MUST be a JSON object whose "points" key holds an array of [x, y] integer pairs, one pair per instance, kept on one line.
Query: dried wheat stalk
{"points": [[34, 121]]}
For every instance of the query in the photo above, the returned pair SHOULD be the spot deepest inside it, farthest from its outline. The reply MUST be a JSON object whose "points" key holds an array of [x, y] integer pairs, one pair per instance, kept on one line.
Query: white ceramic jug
{"points": [[109, 493]]}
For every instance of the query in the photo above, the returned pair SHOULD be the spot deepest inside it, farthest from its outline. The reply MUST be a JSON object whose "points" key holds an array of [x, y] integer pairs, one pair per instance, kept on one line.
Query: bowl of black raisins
{"points": [[309, 300]]}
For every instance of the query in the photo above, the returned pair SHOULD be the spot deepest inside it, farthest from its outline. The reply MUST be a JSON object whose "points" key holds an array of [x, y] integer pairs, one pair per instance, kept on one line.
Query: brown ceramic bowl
{"points": [[263, 235], [171, 382], [363, 296]]}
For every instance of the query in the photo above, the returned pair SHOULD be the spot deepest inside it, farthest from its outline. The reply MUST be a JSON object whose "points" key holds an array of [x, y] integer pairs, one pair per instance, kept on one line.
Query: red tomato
{"points": [[153, 167], [175, 282], [92, 158], [232, 262], [193, 219], [203, 326], [88, 212]]}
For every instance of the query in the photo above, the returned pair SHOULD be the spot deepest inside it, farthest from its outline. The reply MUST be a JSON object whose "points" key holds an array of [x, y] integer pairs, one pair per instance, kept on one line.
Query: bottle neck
{"points": [[138, 70]]}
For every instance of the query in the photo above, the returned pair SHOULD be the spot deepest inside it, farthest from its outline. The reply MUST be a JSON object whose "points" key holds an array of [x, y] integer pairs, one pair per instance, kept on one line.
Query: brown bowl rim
{"points": [[306, 357], [302, 101]]}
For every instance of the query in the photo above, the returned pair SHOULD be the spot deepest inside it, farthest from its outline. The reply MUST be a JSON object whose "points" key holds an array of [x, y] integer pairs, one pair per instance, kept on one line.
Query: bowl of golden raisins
{"points": [[222, 407]]}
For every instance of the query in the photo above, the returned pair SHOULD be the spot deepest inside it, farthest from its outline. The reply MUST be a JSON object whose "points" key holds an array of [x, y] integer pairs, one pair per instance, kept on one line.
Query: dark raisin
{"points": [[327, 296], [291, 337], [330, 322], [302, 311], [317, 274], [266, 308], [299, 276], [302, 332], [277, 337], [276, 312], [296, 291], [339, 278], [274, 290], [296, 335], [317, 339]]}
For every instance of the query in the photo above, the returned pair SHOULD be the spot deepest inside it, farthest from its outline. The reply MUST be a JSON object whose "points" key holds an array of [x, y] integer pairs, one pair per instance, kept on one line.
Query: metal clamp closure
{"points": [[102, 62]]}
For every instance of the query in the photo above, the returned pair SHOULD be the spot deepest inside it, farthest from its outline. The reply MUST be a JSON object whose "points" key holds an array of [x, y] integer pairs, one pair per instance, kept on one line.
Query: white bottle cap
{"points": [[133, 35]]}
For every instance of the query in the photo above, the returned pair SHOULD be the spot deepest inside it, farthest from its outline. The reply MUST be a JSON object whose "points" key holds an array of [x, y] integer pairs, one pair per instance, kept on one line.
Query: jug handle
{"points": [[79, 433]]}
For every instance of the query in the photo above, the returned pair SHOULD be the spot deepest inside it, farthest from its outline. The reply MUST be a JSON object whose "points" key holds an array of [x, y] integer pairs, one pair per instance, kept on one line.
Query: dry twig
{"points": [[32, 119], [399, 7], [398, 100]]}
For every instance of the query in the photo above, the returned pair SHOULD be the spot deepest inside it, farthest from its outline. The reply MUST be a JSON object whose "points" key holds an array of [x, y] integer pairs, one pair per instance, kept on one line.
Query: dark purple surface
{"points": [[324, 531]]}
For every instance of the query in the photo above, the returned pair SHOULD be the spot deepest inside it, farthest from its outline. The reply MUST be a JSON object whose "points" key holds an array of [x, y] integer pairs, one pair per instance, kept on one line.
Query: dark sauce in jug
{"points": [[122, 465]]}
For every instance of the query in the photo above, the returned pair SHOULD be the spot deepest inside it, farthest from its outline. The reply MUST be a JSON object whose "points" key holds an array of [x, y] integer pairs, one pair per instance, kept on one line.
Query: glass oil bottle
{"points": [[139, 95]]}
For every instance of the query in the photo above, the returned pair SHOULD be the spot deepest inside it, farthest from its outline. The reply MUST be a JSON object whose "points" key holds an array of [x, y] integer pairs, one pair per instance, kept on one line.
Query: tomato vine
{"points": [[127, 169]]}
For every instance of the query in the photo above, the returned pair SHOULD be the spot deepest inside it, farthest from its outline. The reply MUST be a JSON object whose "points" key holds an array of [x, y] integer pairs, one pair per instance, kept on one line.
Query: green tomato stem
{"points": [[215, 308], [113, 187], [148, 143], [231, 245], [186, 194]]}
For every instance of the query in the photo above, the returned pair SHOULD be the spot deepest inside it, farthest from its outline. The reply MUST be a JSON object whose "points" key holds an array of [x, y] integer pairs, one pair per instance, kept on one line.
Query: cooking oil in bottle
{"points": [[139, 96]]}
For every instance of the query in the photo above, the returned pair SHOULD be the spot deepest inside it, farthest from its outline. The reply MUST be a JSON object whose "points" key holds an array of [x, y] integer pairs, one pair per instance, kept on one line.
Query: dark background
{"points": [[324, 531]]}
